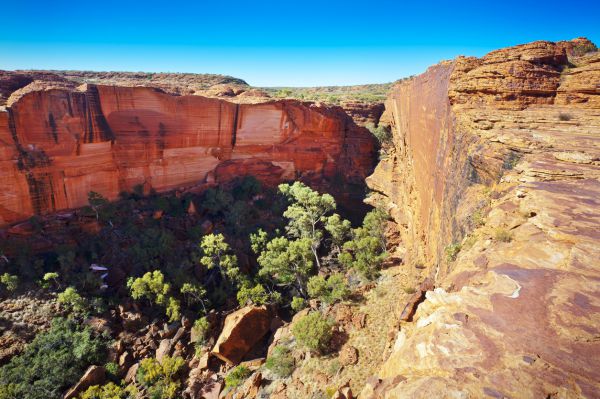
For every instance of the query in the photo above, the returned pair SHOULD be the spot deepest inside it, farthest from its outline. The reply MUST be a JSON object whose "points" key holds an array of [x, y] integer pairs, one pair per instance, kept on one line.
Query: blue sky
{"points": [[278, 43]]}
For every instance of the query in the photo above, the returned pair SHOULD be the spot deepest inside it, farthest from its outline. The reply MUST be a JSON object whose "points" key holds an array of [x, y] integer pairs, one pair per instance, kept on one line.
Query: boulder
{"points": [[242, 330], [94, 375]]}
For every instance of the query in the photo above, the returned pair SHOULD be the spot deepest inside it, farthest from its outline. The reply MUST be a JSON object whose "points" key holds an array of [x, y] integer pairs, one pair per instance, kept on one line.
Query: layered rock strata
{"points": [[494, 183], [59, 143]]}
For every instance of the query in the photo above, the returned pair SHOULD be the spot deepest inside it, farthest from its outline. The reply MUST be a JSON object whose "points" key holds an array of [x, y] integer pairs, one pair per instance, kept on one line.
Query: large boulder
{"points": [[243, 329], [94, 375]]}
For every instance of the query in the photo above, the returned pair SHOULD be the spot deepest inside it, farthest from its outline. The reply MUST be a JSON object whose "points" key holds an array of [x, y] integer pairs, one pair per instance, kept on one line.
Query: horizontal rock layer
{"points": [[499, 156], [58, 144]]}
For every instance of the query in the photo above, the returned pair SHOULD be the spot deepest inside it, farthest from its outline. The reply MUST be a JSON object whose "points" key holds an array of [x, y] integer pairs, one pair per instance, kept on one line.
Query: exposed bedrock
{"points": [[58, 144], [499, 156]]}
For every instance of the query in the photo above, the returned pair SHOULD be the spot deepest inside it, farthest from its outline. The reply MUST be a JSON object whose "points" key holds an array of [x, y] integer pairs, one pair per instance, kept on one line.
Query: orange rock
{"points": [[241, 331], [58, 144]]}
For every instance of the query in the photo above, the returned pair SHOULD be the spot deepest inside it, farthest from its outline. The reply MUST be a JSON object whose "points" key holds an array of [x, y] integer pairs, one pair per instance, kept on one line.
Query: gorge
{"points": [[491, 180]]}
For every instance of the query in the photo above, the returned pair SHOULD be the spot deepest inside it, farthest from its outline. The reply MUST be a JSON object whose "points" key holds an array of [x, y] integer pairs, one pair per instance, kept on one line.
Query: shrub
{"points": [[281, 362], [452, 251], [72, 301], [563, 116], [10, 281], [110, 391], [52, 362], [256, 295], [298, 303], [237, 376], [112, 369], [502, 235], [160, 378], [330, 290], [313, 332], [381, 132], [201, 328]]}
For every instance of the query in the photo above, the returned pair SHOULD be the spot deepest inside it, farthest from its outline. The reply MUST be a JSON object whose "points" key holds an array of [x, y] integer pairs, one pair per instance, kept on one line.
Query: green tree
{"points": [[339, 229], [110, 391], [194, 293], [217, 200], [329, 290], [10, 281], [71, 300], [100, 205], [256, 294], [151, 286], [218, 255], [51, 276], [298, 304], [313, 332], [287, 262], [367, 250], [52, 362], [161, 378], [306, 213], [258, 241], [201, 328]]}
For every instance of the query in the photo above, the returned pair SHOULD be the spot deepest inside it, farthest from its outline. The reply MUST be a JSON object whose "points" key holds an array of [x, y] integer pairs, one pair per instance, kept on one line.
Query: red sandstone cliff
{"points": [[58, 143], [499, 156]]}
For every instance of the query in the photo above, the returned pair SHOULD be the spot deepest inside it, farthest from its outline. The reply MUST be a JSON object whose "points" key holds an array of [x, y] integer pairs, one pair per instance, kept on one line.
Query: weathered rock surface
{"points": [[58, 143], [94, 375], [501, 155], [243, 329]]}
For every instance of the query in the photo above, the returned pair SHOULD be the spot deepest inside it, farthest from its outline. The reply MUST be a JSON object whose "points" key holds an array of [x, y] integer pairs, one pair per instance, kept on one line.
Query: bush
{"points": [[110, 391], [201, 328], [381, 132], [328, 291], [160, 378], [503, 235], [112, 369], [298, 304], [72, 301], [313, 332], [281, 362], [237, 376], [452, 251], [10, 282], [563, 116], [52, 362]]}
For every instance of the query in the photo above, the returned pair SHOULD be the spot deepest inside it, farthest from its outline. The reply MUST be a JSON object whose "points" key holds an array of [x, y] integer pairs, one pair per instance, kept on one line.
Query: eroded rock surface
{"points": [[58, 143], [499, 156]]}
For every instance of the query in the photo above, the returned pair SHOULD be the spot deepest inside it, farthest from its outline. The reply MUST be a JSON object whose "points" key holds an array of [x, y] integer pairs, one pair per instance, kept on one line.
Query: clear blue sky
{"points": [[278, 43]]}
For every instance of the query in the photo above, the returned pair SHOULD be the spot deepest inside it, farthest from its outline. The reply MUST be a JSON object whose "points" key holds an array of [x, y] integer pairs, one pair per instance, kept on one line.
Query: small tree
{"points": [[306, 213], [51, 276], [330, 290], [218, 255], [151, 286], [10, 281], [298, 304], [160, 378], [194, 294], [339, 229], [287, 262], [201, 328], [313, 332], [366, 251], [71, 300]]}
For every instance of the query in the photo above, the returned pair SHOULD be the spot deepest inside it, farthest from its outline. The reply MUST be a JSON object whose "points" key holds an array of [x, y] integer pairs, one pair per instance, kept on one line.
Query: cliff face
{"points": [[499, 156], [59, 143]]}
